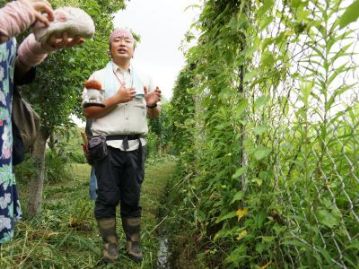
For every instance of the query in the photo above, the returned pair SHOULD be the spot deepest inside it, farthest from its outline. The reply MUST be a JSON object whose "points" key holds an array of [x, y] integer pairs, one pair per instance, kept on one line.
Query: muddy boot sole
{"points": [[134, 252], [110, 253]]}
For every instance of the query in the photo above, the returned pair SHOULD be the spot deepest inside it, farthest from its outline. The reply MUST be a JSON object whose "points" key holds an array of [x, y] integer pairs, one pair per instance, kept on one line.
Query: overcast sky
{"points": [[161, 25]]}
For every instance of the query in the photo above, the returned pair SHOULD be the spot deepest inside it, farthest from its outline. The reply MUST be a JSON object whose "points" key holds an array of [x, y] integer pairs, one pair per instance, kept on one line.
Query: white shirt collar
{"points": [[117, 68]]}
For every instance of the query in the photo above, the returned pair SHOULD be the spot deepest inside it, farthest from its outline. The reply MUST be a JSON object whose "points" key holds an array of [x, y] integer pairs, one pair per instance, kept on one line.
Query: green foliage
{"points": [[25, 170], [64, 149], [56, 167], [160, 132], [265, 139], [68, 142], [351, 14]]}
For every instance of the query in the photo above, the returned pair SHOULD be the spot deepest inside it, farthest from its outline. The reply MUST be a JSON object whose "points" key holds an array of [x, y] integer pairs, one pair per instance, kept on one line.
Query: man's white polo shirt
{"points": [[127, 118]]}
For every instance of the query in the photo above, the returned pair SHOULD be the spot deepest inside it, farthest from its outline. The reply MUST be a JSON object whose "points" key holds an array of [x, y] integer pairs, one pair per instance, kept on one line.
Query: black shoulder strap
{"points": [[88, 128]]}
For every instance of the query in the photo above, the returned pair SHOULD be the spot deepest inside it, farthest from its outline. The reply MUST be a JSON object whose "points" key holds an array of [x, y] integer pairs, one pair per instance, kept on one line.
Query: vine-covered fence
{"points": [[266, 117]]}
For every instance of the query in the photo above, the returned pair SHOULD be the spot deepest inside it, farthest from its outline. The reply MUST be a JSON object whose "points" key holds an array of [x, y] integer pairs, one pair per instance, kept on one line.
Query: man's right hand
{"points": [[125, 94]]}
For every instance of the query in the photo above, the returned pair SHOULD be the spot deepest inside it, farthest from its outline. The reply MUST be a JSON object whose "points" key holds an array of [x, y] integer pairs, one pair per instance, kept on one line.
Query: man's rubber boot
{"points": [[107, 229], [131, 227]]}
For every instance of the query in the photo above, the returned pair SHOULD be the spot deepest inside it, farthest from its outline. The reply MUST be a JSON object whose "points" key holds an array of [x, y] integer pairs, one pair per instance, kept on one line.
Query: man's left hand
{"points": [[152, 97]]}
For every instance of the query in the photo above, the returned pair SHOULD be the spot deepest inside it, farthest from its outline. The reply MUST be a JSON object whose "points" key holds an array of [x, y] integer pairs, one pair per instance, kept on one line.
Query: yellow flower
{"points": [[242, 234], [241, 212]]}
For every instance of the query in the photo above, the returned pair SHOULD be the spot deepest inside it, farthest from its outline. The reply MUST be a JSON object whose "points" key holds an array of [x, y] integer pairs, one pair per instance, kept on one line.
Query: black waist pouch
{"points": [[97, 149]]}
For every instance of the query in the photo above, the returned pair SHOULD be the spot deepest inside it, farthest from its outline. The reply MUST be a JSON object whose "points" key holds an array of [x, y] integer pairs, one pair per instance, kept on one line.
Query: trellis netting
{"points": [[275, 137]]}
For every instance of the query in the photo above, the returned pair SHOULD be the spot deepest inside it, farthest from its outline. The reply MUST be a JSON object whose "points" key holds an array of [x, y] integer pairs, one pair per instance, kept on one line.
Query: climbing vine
{"points": [[265, 127]]}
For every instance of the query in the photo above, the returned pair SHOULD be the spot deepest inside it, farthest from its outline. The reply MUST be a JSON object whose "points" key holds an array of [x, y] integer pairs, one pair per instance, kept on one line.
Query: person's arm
{"points": [[17, 16], [153, 112], [123, 95], [152, 98], [29, 54], [32, 53]]}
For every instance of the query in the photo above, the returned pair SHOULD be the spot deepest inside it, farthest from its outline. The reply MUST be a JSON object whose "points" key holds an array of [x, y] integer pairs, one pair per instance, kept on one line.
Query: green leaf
{"points": [[268, 59], [258, 181], [237, 255], [241, 107], [306, 89], [267, 6], [265, 21], [268, 239], [337, 93], [238, 196], [261, 101], [226, 216], [339, 70], [261, 153], [250, 75], [327, 218], [350, 14], [259, 130], [239, 172]]}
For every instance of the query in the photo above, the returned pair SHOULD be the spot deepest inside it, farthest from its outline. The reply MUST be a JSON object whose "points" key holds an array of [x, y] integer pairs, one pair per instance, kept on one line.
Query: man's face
{"points": [[122, 47]]}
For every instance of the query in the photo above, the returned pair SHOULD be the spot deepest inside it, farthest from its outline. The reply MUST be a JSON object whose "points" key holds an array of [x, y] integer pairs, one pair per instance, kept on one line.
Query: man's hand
{"points": [[152, 97], [125, 94]]}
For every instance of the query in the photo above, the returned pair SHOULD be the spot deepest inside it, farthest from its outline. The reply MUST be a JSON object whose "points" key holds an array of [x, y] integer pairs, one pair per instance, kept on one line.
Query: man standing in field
{"points": [[121, 127]]}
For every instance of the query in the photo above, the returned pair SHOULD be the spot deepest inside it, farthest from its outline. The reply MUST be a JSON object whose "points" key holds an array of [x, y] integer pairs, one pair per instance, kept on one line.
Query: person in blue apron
{"points": [[117, 144]]}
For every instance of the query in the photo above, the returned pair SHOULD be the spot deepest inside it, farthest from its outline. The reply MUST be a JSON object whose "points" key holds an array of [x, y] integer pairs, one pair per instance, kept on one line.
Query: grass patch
{"points": [[64, 234]]}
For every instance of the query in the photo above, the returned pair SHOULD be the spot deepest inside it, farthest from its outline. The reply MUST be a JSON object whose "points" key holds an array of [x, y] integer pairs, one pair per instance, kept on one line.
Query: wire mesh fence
{"points": [[274, 133], [312, 115]]}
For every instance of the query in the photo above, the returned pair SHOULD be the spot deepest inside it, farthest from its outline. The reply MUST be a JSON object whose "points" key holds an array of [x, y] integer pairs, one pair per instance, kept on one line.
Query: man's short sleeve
{"points": [[95, 76]]}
